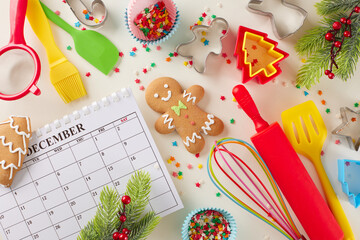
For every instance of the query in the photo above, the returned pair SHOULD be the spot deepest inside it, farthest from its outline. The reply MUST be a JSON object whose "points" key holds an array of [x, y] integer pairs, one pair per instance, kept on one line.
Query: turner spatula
{"points": [[306, 130]]}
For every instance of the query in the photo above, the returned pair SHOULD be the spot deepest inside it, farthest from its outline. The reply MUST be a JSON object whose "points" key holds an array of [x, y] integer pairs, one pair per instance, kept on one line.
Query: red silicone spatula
{"points": [[290, 174]]}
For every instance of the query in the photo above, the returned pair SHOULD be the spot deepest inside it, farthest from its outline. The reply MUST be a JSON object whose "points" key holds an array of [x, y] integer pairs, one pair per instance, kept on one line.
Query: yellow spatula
{"points": [[63, 74], [307, 132]]}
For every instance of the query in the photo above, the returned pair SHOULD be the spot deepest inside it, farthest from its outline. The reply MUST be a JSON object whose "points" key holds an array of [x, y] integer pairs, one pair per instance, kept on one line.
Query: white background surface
{"points": [[220, 78]]}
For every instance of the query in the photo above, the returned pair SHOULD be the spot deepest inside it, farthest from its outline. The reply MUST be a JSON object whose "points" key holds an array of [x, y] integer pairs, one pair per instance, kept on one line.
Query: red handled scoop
{"points": [[290, 174]]}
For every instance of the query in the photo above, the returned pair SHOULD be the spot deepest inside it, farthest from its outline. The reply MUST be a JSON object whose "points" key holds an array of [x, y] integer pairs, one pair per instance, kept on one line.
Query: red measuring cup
{"points": [[17, 41]]}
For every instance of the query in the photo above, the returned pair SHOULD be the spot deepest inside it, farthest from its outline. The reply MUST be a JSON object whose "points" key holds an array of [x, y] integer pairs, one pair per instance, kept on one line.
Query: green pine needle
{"points": [[106, 220], [328, 7], [314, 46]]}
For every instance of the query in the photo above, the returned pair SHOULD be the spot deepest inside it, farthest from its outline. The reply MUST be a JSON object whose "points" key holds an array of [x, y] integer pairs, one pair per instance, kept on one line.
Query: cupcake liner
{"points": [[136, 6], [229, 218]]}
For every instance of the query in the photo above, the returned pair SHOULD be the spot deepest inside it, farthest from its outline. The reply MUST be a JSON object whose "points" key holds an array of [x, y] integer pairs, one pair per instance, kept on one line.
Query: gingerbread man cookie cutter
{"points": [[206, 40], [179, 111], [286, 18]]}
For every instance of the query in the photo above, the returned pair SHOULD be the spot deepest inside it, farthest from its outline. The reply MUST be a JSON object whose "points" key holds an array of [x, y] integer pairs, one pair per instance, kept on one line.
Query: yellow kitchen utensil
{"points": [[63, 75], [306, 130]]}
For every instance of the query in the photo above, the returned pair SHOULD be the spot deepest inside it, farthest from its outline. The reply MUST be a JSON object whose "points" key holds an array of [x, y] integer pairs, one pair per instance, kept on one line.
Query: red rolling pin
{"points": [[290, 174]]}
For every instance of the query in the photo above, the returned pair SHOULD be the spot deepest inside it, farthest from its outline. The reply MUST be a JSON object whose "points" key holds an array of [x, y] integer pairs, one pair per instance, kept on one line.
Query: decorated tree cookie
{"points": [[180, 112], [14, 139]]}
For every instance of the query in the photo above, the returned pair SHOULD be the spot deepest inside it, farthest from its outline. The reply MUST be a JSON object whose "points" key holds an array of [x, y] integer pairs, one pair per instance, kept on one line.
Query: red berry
{"points": [[126, 231], [343, 20], [116, 235], [123, 236], [357, 9], [347, 34], [329, 36], [336, 25], [126, 199], [337, 44], [122, 218], [331, 75], [327, 72], [348, 22]]}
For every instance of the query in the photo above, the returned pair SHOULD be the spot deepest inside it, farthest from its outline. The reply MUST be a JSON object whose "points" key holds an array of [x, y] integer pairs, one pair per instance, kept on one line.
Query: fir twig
{"points": [[328, 7], [145, 226]]}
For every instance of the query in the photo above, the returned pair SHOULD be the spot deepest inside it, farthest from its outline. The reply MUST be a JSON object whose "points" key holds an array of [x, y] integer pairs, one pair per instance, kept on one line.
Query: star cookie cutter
{"points": [[95, 7], [349, 176], [350, 127], [207, 40], [286, 18]]}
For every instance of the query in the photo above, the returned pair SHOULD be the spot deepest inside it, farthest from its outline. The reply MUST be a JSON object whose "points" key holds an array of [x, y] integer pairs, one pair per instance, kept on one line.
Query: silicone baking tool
{"points": [[257, 55], [97, 7], [63, 74], [306, 131], [17, 41], [349, 176], [92, 46], [271, 210], [206, 40], [286, 18], [290, 174], [350, 127]]}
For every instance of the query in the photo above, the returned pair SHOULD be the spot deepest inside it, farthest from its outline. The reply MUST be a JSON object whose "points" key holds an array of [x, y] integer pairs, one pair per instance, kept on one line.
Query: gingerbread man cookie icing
{"points": [[180, 112], [14, 139]]}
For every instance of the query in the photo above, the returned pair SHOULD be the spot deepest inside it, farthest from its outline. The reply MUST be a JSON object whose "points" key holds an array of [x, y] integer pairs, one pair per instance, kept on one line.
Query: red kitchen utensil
{"points": [[17, 41], [290, 174]]}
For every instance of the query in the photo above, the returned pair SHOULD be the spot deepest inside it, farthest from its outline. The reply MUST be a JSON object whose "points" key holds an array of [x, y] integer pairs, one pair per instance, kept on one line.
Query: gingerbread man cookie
{"points": [[180, 112], [14, 139]]}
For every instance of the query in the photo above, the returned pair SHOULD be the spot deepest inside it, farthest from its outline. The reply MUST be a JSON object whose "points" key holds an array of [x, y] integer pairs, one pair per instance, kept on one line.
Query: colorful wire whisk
{"points": [[272, 211]]}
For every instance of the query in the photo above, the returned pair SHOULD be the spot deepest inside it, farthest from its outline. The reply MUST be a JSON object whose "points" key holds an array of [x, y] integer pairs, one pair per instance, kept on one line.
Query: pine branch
{"points": [[144, 227], [311, 41], [314, 68], [328, 7], [138, 188], [88, 232]]}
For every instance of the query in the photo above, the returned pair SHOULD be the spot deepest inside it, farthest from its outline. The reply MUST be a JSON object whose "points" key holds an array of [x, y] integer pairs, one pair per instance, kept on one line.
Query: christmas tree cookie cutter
{"points": [[349, 128], [207, 40], [349, 176], [286, 18], [96, 7], [257, 55]]}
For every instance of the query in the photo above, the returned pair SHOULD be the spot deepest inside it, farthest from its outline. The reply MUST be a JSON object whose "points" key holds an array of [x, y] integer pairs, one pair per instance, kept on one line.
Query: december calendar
{"points": [[70, 161]]}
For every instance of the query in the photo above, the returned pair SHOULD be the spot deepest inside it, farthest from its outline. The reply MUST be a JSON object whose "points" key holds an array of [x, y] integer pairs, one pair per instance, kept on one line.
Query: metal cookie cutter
{"points": [[207, 39], [97, 7], [286, 18], [349, 176], [350, 127]]}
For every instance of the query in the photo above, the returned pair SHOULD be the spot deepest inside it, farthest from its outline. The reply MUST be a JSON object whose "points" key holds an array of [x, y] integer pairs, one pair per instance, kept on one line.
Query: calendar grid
{"points": [[101, 156]]}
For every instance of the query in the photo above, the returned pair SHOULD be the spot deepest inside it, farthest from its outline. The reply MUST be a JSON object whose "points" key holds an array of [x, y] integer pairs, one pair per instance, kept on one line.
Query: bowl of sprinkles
{"points": [[209, 224], [151, 21]]}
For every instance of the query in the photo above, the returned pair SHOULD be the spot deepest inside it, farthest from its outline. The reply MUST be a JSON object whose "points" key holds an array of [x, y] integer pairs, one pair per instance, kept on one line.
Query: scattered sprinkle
{"points": [[77, 24], [206, 42], [322, 153], [323, 102], [200, 166], [116, 70], [218, 194], [180, 173], [356, 104], [186, 63], [303, 60], [175, 174], [137, 80], [168, 59], [142, 88], [169, 161], [213, 16], [121, 54], [134, 49], [306, 93], [197, 185], [232, 121], [320, 92], [197, 155], [158, 48], [69, 47], [57, 12], [192, 123], [191, 62], [137, 73], [228, 61], [88, 74], [353, 119], [327, 110], [171, 54], [174, 143], [297, 86], [132, 54], [180, 177], [186, 116], [177, 165], [153, 65], [222, 98], [224, 55], [172, 158], [189, 166], [337, 141], [234, 99], [148, 49], [145, 70]]}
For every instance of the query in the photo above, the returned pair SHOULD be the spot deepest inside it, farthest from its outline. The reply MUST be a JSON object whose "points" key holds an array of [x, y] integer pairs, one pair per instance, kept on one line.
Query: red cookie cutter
{"points": [[257, 55]]}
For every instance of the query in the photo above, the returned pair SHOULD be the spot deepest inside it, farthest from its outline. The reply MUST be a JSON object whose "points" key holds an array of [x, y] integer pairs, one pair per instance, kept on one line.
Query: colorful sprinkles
{"points": [[154, 21], [207, 225]]}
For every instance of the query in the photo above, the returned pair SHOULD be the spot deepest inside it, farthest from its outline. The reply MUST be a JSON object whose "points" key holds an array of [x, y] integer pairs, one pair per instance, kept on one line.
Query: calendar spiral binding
{"points": [[86, 110]]}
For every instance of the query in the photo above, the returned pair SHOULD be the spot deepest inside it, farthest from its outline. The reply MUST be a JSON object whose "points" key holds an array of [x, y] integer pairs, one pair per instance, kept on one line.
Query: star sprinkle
{"points": [[132, 54], [197, 185], [121, 54], [189, 166], [174, 143], [323, 102], [337, 141], [224, 55], [180, 177], [327, 110], [197, 155], [116, 70], [134, 49], [69, 47], [57, 12], [175, 174], [218, 194], [172, 158], [349, 128], [320, 92], [232, 121], [356, 105], [137, 80], [206, 42], [88, 74], [145, 70], [153, 65], [148, 49], [200, 166], [180, 173], [228, 61], [177, 165], [222, 98], [77, 24], [158, 48], [168, 59], [141, 88]]}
